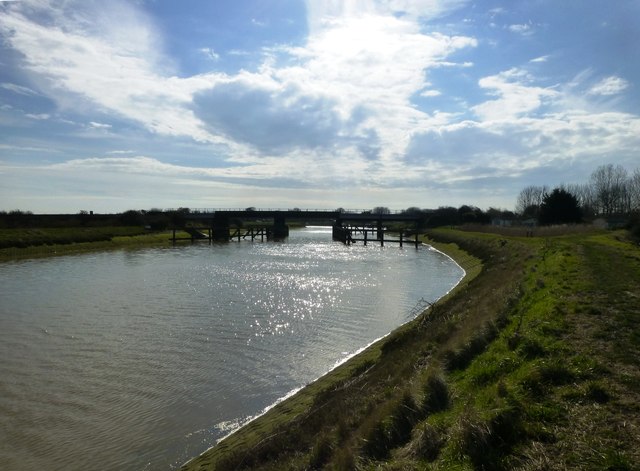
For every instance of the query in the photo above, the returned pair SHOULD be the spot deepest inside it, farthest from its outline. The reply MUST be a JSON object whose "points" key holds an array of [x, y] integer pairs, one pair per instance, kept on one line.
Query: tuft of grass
{"points": [[462, 357], [427, 442], [597, 392], [531, 348], [321, 451], [393, 430], [436, 396]]}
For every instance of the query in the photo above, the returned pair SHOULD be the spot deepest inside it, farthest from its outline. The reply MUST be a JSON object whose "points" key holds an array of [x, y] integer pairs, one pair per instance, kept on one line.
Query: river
{"points": [[141, 359]]}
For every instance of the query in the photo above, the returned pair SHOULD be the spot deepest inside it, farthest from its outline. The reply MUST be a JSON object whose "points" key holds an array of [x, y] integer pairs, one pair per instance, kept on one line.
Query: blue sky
{"points": [[140, 104]]}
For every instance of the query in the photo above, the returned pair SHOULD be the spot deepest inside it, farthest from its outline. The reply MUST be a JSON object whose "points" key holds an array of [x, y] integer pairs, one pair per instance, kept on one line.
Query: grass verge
{"points": [[16, 244]]}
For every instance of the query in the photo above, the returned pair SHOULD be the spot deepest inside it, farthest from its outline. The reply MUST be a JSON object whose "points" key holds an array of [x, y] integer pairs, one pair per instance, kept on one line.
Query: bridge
{"points": [[349, 226]]}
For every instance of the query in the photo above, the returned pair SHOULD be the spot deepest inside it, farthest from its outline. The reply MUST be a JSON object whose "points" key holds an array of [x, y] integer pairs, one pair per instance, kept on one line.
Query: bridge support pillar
{"points": [[280, 230], [340, 233], [380, 230], [220, 229]]}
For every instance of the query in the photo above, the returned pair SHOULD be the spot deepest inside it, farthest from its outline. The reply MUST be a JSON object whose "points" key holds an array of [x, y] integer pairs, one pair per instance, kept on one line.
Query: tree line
{"points": [[611, 192]]}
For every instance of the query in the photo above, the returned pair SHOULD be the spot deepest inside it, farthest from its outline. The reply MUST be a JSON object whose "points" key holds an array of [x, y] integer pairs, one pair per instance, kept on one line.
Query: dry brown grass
{"points": [[538, 231]]}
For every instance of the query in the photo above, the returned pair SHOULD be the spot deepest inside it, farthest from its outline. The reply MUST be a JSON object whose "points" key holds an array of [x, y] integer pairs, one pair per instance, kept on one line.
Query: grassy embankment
{"points": [[42, 242], [530, 364]]}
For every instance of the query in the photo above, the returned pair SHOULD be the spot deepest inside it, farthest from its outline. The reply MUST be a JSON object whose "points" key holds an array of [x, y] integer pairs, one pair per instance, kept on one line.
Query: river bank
{"points": [[530, 363], [18, 244]]}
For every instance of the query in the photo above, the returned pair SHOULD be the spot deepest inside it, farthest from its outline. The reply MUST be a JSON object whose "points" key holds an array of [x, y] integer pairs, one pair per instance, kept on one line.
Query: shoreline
{"points": [[339, 363], [470, 267], [536, 344], [113, 242]]}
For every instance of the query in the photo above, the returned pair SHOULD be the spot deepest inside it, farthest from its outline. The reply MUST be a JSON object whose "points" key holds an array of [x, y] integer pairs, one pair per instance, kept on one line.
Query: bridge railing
{"points": [[302, 210]]}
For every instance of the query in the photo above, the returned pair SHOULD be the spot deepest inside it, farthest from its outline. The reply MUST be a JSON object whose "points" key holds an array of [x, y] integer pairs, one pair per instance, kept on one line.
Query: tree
{"points": [[413, 210], [497, 213], [472, 215], [609, 185], [530, 199], [444, 216], [585, 195], [131, 218], [381, 210], [634, 191], [559, 207]]}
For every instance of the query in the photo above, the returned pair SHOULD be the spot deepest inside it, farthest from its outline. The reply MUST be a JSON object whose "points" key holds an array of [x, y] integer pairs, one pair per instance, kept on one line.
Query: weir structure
{"points": [[349, 226]]}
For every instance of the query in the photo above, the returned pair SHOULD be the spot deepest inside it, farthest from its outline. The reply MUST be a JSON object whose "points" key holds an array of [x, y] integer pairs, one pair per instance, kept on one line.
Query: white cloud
{"points": [[19, 89], [321, 12], [472, 150], [38, 117], [209, 53], [139, 165], [373, 63], [96, 125], [352, 80], [120, 152], [525, 29], [258, 23], [112, 63], [516, 96], [609, 86], [348, 88], [540, 59]]}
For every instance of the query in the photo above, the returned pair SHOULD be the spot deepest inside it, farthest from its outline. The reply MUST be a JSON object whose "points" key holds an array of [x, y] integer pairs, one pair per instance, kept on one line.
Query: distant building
{"points": [[610, 223], [501, 222]]}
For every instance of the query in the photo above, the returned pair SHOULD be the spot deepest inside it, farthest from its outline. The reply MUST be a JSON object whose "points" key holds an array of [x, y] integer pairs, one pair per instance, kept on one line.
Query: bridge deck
{"points": [[301, 214]]}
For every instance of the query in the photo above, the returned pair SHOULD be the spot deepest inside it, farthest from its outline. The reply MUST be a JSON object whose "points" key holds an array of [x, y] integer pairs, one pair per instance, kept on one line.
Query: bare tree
{"points": [[530, 198], [609, 185], [634, 191], [584, 195]]}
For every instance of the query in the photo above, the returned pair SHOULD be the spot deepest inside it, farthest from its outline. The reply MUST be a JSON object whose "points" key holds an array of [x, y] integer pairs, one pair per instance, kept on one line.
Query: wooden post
{"points": [[365, 236], [400, 239]]}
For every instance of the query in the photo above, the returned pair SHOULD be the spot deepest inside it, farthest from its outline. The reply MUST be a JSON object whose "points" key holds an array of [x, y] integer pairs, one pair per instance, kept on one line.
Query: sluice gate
{"points": [[348, 227]]}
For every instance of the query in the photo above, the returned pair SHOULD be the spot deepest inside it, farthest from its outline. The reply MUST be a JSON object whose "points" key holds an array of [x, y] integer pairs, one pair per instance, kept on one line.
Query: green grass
{"points": [[28, 243], [531, 363]]}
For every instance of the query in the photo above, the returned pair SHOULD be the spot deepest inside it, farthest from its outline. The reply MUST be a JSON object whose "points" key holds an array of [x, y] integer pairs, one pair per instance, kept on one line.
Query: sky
{"points": [[107, 106]]}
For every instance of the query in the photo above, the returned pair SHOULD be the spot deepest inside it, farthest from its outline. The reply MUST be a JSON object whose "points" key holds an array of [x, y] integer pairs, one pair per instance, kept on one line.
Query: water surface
{"points": [[143, 359]]}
